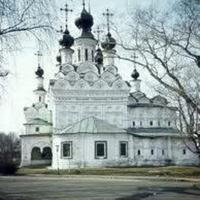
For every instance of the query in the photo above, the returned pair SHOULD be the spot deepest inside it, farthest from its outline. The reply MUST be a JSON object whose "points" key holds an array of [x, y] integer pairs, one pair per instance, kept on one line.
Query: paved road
{"points": [[60, 188]]}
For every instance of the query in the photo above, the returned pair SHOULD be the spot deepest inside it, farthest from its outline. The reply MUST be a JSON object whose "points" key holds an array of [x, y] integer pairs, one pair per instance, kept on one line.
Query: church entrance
{"points": [[41, 157]]}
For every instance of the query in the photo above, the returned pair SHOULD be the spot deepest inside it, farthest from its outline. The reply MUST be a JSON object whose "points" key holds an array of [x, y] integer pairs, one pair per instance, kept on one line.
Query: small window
{"points": [[123, 149], [101, 150], [79, 55], [163, 152], [151, 123], [37, 129], [158, 123], [46, 105], [140, 123], [86, 54], [184, 151], [67, 150], [139, 153], [40, 98], [152, 152], [133, 123], [169, 123]]}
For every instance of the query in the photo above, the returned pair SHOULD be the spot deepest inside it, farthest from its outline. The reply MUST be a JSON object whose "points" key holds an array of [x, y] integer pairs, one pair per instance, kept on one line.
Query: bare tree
{"points": [[21, 18], [167, 44], [9, 152]]}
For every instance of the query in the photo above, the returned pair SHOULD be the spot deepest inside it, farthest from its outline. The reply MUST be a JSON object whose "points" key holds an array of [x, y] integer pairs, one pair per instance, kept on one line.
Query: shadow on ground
{"points": [[145, 192]]}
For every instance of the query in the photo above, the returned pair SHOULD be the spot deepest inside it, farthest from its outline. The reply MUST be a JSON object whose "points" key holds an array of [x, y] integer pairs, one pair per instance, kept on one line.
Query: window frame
{"points": [[71, 150], [126, 143], [105, 150]]}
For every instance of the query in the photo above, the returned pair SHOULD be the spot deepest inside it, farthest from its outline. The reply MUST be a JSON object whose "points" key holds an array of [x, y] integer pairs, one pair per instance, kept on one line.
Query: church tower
{"points": [[85, 45]]}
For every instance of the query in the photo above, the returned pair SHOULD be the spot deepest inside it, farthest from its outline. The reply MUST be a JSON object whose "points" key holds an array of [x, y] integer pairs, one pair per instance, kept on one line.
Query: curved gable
{"points": [[108, 77], [91, 77], [101, 84], [87, 67], [67, 68], [120, 84], [112, 68], [61, 84], [81, 84]]}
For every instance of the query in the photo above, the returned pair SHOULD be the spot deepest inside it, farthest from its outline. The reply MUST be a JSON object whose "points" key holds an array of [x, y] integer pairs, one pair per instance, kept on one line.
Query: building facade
{"points": [[94, 117]]}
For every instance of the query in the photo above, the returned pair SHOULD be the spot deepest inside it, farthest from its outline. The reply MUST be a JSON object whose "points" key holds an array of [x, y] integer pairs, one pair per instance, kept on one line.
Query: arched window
{"points": [[86, 54], [79, 55], [139, 153], [46, 153], [36, 154]]}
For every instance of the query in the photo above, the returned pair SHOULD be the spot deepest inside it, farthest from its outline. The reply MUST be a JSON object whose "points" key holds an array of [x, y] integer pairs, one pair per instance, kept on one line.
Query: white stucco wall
{"points": [[154, 114], [31, 141], [83, 148]]}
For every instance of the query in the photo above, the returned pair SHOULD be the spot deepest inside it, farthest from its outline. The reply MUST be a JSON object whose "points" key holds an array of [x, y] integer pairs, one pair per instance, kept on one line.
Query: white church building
{"points": [[94, 118]]}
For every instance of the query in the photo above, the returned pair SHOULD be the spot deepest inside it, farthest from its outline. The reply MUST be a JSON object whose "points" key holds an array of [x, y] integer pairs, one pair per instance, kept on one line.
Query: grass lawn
{"points": [[174, 171]]}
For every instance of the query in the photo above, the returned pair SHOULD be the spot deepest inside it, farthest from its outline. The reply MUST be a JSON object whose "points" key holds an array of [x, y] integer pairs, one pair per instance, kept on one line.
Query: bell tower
{"points": [[85, 45]]}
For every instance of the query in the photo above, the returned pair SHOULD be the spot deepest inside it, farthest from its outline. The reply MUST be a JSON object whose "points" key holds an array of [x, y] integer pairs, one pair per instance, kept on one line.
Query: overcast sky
{"points": [[20, 84]]}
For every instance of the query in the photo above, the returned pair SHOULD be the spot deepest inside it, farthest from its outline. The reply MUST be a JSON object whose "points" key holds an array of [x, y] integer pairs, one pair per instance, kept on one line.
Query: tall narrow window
{"points": [[151, 123], [86, 54], [139, 153], [40, 98], [101, 150], [152, 152], [67, 149], [140, 123], [123, 149], [184, 151], [158, 123], [163, 152], [133, 123], [79, 55], [169, 123], [92, 56]]}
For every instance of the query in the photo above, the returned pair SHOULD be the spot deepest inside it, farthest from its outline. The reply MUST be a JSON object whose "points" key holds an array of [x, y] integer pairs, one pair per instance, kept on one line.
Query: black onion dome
{"points": [[109, 42], [39, 72], [67, 41], [135, 74], [85, 22], [98, 56]]}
